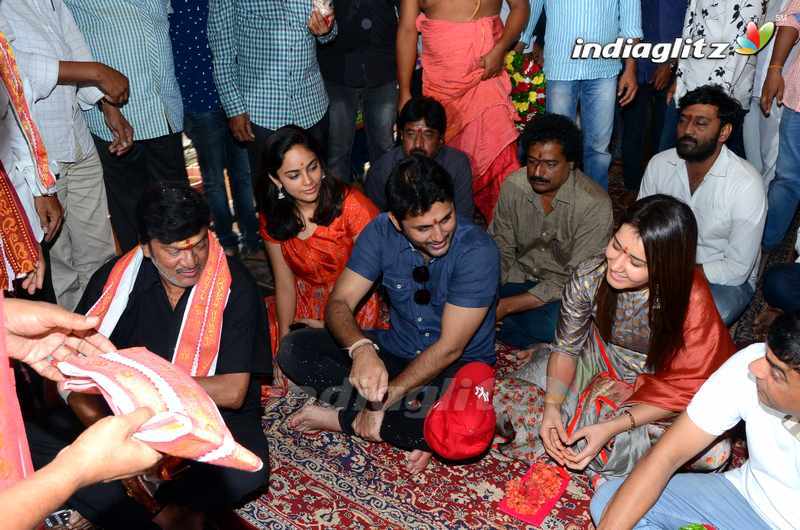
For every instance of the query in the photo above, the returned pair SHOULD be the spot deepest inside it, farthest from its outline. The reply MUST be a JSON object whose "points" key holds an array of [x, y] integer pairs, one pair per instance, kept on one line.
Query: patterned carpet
{"points": [[335, 481]]}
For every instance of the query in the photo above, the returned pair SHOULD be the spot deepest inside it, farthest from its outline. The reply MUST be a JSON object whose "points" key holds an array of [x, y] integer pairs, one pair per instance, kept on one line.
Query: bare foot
{"points": [[417, 460], [313, 418], [179, 518]]}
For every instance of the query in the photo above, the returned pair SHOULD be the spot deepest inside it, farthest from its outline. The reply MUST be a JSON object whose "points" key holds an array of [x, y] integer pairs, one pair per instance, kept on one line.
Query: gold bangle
{"points": [[554, 399], [770, 67], [630, 418]]}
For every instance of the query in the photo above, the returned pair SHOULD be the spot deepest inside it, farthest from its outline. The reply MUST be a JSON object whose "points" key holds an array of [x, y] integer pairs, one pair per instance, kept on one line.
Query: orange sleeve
{"points": [[262, 229], [358, 212], [707, 345]]}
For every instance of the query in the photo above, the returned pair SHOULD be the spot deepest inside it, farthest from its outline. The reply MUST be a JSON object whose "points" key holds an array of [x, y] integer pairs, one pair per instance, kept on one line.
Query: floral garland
{"points": [[527, 86]]}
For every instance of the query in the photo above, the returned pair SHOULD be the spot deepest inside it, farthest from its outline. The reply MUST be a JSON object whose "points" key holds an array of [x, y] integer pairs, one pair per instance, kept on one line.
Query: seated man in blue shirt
{"points": [[421, 126], [441, 275]]}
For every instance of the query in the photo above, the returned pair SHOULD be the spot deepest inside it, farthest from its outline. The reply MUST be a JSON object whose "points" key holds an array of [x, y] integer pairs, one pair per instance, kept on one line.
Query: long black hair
{"points": [[668, 230], [283, 218]]}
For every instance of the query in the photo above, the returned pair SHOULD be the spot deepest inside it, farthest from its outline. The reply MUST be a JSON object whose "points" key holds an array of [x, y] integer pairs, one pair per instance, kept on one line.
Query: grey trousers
{"points": [[85, 240]]}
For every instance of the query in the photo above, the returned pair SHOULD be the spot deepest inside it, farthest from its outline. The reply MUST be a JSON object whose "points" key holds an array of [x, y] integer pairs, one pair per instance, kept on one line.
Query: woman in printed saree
{"points": [[637, 335], [310, 222]]}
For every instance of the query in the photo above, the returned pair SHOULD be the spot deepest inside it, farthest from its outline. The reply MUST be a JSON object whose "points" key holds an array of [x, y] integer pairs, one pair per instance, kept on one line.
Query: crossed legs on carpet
{"points": [[313, 360]]}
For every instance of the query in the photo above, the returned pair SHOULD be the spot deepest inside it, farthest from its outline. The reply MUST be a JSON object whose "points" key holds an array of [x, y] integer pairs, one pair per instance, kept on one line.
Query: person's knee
{"points": [[602, 497], [297, 349], [780, 285]]}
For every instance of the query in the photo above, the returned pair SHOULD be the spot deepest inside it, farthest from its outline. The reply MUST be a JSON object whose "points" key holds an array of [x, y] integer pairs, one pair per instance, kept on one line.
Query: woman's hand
{"points": [[596, 436], [554, 437]]}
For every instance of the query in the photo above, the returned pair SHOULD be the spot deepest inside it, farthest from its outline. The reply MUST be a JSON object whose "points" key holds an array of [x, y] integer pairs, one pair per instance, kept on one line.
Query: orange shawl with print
{"points": [[19, 246], [197, 348]]}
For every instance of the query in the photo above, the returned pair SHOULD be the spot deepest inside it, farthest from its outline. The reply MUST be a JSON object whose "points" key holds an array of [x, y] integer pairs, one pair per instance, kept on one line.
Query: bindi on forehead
{"points": [[188, 243]]}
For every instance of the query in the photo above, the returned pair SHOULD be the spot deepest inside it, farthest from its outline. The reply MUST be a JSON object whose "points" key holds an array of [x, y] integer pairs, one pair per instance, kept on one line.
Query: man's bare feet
{"points": [[417, 460], [312, 418], [174, 517]]}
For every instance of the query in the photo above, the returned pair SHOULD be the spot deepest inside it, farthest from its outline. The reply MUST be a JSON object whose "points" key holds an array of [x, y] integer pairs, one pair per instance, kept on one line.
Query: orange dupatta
{"points": [[15, 457], [19, 246], [197, 348]]}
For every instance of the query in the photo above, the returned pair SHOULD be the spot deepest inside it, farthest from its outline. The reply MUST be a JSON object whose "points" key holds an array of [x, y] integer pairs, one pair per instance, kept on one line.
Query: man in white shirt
{"points": [[65, 81], [760, 385], [724, 191]]}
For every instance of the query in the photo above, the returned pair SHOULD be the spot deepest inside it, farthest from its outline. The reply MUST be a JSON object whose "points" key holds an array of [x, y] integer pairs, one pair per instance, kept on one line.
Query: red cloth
{"points": [[480, 116], [707, 345]]}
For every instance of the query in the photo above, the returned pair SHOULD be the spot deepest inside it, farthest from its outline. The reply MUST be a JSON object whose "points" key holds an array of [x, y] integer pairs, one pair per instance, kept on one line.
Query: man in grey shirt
{"points": [[422, 123], [550, 217]]}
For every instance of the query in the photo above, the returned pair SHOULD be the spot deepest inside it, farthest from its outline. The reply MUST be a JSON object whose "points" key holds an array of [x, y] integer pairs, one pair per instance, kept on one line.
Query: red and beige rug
{"points": [[334, 481]]}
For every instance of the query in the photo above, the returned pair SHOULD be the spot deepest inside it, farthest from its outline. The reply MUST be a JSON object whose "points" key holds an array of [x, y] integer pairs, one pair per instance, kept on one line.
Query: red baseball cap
{"points": [[461, 424]]}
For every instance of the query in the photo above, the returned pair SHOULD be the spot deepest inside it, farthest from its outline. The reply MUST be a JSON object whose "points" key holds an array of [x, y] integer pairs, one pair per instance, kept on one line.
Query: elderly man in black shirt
{"points": [[175, 243]]}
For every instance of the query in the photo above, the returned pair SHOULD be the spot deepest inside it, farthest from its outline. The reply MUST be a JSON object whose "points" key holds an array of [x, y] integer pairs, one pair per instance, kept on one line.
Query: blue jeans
{"points": [[731, 300], [782, 286], [380, 111], [522, 330], [216, 151], [598, 99], [689, 498], [784, 190]]}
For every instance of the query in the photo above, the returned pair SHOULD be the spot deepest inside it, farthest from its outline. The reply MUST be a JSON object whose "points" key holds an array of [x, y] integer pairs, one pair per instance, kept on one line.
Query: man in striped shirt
{"points": [[132, 36], [594, 83], [265, 67]]}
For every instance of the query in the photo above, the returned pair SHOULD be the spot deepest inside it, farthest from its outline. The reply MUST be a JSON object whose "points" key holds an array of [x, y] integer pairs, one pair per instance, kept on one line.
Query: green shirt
{"points": [[546, 248]]}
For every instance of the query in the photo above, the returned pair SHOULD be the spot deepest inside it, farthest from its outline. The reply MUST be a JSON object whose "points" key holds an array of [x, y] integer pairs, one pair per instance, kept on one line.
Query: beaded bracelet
{"points": [[631, 419]]}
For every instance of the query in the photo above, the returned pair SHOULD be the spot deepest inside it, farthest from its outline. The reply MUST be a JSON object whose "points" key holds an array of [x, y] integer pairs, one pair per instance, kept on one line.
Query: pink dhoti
{"points": [[480, 116]]}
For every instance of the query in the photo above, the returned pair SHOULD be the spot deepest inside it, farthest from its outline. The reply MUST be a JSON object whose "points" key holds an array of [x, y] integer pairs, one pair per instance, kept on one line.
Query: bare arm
{"points": [[492, 62], [641, 489], [285, 292], [406, 48], [774, 82], [104, 452], [226, 390], [459, 324]]}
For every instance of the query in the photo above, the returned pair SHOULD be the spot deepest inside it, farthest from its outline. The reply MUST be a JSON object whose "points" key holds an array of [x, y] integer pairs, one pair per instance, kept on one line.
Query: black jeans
{"points": [[127, 176], [642, 123], [314, 361]]}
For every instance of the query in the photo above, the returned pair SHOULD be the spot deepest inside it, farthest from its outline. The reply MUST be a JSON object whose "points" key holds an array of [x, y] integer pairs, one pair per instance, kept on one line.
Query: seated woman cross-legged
{"points": [[638, 334], [310, 222]]}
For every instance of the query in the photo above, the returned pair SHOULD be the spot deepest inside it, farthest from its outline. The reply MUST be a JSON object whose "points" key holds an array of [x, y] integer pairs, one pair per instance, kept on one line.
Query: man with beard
{"points": [[421, 124], [724, 191], [550, 217], [441, 276]]}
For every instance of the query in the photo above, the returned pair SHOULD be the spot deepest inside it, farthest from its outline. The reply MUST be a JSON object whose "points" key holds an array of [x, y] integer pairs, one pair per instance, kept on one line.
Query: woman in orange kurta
{"points": [[310, 222]]}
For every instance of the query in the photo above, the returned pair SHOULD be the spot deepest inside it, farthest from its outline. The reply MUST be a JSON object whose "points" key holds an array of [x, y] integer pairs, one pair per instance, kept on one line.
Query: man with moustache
{"points": [[724, 191], [550, 217], [421, 125], [441, 276], [152, 297], [760, 385]]}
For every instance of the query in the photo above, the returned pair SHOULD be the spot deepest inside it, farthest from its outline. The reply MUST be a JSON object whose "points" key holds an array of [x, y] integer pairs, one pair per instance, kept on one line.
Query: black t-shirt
{"points": [[150, 321]]}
